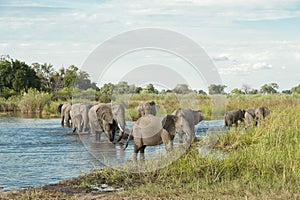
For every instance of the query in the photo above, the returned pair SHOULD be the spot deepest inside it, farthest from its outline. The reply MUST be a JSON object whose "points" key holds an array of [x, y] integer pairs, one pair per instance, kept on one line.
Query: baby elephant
{"points": [[253, 115], [233, 116]]}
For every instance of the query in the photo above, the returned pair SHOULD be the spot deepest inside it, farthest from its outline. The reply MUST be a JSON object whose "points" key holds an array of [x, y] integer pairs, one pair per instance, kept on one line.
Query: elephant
{"points": [[188, 119], [150, 130], [145, 108], [101, 118], [118, 111], [253, 115], [64, 110], [233, 117], [79, 116]]}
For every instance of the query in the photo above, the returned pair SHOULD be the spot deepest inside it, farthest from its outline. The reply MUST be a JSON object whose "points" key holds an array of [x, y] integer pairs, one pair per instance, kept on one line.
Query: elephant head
{"points": [[106, 121], [118, 112], [146, 108], [150, 130], [64, 110], [233, 117], [79, 115], [187, 119], [253, 115], [261, 113]]}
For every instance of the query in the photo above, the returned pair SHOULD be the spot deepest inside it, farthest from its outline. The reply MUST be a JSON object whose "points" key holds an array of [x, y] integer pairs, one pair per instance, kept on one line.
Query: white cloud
{"points": [[262, 65], [244, 68]]}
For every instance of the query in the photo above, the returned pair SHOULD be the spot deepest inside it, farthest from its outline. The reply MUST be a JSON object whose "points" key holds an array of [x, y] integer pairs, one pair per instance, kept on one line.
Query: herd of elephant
{"points": [[251, 116], [148, 130]]}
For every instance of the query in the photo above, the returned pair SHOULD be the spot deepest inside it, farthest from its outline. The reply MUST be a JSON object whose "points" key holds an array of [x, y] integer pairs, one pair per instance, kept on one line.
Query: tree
{"points": [[216, 89], [286, 92], [44, 72], [296, 89], [269, 88], [150, 89], [202, 92], [121, 88], [182, 89], [70, 76], [237, 91], [105, 93], [245, 89]]}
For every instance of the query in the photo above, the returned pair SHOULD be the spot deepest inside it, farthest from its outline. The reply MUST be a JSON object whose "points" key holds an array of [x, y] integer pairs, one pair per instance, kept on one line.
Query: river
{"points": [[37, 151]]}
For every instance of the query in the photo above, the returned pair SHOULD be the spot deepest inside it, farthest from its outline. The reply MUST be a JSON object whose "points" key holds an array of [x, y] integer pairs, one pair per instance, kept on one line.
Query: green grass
{"points": [[261, 162]]}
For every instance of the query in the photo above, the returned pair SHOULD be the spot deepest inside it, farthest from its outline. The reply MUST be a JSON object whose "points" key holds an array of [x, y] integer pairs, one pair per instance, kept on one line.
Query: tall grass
{"points": [[256, 160], [34, 101]]}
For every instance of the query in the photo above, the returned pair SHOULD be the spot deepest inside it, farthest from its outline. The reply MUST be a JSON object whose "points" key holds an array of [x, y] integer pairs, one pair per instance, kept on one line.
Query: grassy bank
{"points": [[261, 163]]}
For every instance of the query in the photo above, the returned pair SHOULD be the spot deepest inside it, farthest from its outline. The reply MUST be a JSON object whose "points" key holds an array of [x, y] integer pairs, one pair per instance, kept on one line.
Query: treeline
{"points": [[17, 78]]}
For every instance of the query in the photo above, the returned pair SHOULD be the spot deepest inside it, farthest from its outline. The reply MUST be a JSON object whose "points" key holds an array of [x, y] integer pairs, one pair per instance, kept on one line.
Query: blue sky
{"points": [[250, 42]]}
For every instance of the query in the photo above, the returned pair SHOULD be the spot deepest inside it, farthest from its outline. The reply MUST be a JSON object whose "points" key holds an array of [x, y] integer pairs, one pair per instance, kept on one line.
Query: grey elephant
{"points": [[101, 119], [145, 108], [253, 115], [233, 117], [64, 110], [150, 130], [79, 116], [188, 118], [118, 111]]}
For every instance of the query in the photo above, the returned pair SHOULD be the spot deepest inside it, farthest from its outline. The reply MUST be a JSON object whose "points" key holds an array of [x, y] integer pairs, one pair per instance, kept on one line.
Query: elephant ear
{"points": [[59, 107], [104, 113], [198, 116], [168, 123]]}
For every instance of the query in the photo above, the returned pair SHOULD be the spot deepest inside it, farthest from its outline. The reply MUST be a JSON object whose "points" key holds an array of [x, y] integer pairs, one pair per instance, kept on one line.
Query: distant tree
{"points": [[82, 80], [138, 90], [237, 91], [23, 77], [70, 76], [216, 89], [182, 89], [106, 92], [44, 72], [286, 92], [253, 91], [269, 88], [132, 89], [296, 89], [150, 89], [121, 88], [245, 89], [202, 92]]}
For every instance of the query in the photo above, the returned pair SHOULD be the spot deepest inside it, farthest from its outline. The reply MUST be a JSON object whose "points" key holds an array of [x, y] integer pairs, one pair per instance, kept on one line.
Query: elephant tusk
{"points": [[120, 128]]}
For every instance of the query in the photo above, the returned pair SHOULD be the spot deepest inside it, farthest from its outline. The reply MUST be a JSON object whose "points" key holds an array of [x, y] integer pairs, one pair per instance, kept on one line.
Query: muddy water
{"points": [[37, 151]]}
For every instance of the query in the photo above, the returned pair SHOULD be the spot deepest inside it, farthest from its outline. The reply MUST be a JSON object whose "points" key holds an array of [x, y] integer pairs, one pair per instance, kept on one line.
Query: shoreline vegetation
{"points": [[261, 162]]}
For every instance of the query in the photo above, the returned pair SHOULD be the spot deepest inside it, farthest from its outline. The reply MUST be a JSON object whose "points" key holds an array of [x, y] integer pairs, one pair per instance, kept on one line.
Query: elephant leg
{"points": [[165, 136], [135, 152], [180, 137], [142, 153], [62, 121], [98, 136]]}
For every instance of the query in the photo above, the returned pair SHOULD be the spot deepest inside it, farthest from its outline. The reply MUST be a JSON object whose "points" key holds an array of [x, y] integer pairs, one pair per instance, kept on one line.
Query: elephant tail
{"points": [[128, 139]]}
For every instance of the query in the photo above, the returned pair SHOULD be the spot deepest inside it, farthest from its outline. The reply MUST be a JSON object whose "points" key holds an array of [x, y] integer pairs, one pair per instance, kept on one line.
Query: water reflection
{"points": [[35, 151]]}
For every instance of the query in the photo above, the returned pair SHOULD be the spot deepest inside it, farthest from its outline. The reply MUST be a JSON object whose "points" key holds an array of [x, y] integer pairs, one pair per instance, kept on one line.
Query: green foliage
{"points": [[182, 89], [216, 89], [34, 101], [269, 88], [296, 89], [236, 91]]}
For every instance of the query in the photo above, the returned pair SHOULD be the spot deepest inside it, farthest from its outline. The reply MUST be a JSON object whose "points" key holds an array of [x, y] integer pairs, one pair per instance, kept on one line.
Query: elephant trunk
{"points": [[128, 139]]}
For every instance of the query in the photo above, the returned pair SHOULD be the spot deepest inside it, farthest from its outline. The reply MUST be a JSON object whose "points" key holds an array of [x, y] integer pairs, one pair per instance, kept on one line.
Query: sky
{"points": [[249, 42]]}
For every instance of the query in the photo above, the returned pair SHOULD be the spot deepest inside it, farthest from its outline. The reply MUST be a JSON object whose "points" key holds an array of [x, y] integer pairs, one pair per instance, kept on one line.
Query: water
{"points": [[37, 151]]}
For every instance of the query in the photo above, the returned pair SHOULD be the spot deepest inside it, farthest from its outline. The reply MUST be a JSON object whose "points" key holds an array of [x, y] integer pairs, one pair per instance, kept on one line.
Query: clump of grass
{"points": [[34, 101]]}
